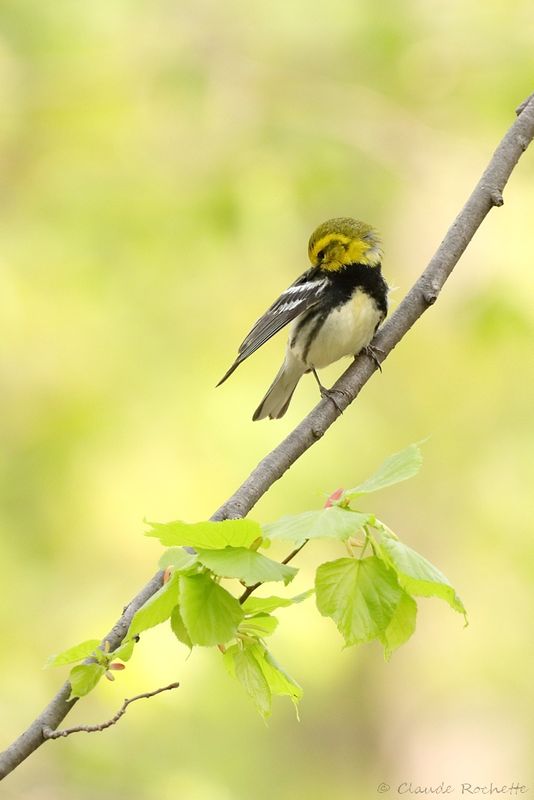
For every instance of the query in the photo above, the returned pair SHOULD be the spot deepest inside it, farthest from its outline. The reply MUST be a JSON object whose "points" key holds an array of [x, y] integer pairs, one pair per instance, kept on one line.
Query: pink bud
{"points": [[333, 497], [167, 574]]}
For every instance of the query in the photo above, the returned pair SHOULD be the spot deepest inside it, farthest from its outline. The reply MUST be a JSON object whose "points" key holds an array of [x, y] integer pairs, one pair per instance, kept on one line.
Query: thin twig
{"points": [[49, 733], [248, 591], [425, 291]]}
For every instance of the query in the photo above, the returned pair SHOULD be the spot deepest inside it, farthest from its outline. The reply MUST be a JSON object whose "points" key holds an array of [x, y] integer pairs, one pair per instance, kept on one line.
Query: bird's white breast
{"points": [[344, 332]]}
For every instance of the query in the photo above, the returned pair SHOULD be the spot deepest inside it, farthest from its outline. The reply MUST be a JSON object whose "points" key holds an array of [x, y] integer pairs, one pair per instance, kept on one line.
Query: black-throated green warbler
{"points": [[335, 306]]}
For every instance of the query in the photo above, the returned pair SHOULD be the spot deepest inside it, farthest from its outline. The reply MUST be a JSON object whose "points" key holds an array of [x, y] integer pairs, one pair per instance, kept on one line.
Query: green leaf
{"points": [[401, 626], [72, 654], [255, 605], [247, 565], [243, 665], [396, 468], [178, 558], [210, 535], [280, 683], [179, 629], [125, 651], [328, 523], [157, 609], [210, 613], [360, 595], [417, 575], [83, 678], [276, 679], [260, 625]]}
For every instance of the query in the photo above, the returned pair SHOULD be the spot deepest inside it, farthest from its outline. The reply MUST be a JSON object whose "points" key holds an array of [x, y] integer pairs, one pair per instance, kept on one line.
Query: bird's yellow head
{"points": [[342, 241]]}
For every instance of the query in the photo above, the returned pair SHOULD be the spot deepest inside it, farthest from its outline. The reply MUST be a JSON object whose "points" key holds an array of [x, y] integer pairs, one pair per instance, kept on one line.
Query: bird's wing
{"points": [[305, 292]]}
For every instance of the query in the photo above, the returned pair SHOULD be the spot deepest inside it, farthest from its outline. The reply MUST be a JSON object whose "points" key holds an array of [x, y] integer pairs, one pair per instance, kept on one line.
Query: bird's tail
{"points": [[275, 403]]}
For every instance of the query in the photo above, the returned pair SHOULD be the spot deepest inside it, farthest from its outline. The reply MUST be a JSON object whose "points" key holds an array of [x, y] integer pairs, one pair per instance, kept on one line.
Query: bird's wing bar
{"points": [[296, 299], [301, 295]]}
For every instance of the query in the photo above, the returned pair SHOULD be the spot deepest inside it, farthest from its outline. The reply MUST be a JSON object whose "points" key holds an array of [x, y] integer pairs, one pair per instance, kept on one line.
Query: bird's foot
{"points": [[329, 394], [372, 352]]}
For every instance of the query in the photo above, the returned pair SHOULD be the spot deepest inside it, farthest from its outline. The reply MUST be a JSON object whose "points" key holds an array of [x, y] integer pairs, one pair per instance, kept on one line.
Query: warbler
{"points": [[335, 306]]}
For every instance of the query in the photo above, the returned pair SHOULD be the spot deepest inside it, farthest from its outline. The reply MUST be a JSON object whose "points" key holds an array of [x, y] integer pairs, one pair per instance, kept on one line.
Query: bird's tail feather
{"points": [[227, 374], [276, 402]]}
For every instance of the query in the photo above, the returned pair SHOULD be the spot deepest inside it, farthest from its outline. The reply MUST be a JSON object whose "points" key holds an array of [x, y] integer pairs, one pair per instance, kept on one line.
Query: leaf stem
{"points": [[248, 591], [366, 542]]}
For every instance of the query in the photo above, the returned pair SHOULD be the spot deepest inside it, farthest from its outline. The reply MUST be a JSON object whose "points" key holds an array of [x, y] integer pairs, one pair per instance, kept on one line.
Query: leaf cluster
{"points": [[369, 593]]}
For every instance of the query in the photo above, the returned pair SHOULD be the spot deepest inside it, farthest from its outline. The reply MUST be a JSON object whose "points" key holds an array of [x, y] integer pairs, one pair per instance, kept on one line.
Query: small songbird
{"points": [[335, 307]]}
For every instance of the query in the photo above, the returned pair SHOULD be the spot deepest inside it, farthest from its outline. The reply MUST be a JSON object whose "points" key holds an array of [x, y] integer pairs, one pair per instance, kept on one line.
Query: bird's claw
{"points": [[372, 353], [330, 394]]}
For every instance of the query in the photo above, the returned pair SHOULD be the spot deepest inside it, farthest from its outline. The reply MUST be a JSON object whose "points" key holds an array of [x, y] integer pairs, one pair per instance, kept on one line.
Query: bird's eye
{"points": [[320, 255]]}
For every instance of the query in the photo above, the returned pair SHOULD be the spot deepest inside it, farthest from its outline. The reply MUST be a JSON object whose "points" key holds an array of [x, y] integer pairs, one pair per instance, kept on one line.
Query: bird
{"points": [[335, 308]]}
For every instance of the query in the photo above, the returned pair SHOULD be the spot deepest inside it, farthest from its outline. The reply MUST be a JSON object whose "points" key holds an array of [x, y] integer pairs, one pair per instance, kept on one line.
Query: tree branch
{"points": [[49, 733], [60, 705], [487, 193]]}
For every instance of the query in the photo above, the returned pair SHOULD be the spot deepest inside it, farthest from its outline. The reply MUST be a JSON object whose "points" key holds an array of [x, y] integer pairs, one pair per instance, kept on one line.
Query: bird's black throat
{"points": [[343, 284], [345, 281]]}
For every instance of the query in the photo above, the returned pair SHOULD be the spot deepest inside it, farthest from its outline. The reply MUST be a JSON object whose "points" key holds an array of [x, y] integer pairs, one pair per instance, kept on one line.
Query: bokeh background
{"points": [[162, 165]]}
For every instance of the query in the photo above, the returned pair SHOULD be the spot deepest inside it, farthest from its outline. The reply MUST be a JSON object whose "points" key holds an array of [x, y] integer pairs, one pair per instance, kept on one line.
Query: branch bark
{"points": [[486, 194]]}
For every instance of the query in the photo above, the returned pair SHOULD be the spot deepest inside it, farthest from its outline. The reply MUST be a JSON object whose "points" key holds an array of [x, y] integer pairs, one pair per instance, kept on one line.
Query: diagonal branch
{"points": [[425, 291]]}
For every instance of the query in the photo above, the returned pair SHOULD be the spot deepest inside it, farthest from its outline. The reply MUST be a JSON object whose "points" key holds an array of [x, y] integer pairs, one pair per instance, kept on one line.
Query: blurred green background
{"points": [[163, 165]]}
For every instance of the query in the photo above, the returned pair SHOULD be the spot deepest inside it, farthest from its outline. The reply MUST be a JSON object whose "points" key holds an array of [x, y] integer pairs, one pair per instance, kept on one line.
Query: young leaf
{"points": [[178, 558], [72, 654], [396, 468], [417, 575], [243, 665], [157, 609], [247, 565], [276, 679], [210, 535], [280, 683], [260, 625], [210, 613], [83, 678], [401, 626], [125, 651], [360, 595], [179, 629], [328, 523], [255, 605]]}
